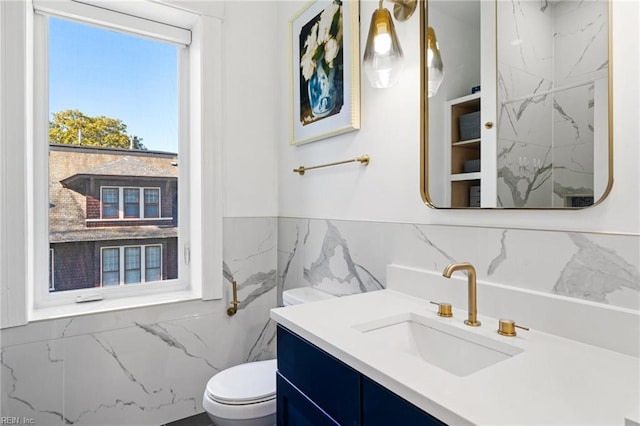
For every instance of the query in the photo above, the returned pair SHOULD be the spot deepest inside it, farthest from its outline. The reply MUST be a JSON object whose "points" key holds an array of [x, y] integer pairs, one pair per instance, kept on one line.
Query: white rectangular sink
{"points": [[457, 351]]}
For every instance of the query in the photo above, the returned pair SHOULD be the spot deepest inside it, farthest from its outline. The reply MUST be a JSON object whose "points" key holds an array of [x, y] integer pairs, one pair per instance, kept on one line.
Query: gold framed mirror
{"points": [[522, 116]]}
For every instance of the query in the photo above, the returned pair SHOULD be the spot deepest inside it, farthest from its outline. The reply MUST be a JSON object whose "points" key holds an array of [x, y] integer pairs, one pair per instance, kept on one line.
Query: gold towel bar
{"points": [[364, 160]]}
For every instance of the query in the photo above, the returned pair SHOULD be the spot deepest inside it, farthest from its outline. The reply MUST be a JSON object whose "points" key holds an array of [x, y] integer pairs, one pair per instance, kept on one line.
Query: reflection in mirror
{"points": [[522, 118]]}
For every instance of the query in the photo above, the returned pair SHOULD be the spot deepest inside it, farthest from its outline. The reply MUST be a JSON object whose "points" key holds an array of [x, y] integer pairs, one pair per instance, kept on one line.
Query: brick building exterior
{"points": [[113, 216]]}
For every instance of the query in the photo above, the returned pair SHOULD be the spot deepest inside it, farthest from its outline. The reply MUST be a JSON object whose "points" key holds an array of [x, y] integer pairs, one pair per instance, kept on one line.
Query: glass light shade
{"points": [[383, 57], [435, 68]]}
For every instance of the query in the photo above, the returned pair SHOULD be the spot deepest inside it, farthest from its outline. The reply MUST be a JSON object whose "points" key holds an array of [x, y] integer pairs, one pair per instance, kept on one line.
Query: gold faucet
{"points": [[471, 275]]}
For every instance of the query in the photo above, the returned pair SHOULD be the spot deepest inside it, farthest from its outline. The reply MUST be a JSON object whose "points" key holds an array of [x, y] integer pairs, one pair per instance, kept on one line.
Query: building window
{"points": [[110, 266], [110, 203], [133, 202], [131, 264], [153, 263], [151, 202]]}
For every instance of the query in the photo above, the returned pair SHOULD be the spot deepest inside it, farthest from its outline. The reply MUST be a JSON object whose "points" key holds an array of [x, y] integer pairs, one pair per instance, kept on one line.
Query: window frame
{"points": [[42, 297], [125, 203], [102, 203], [102, 264], [200, 64], [52, 268], [122, 263], [160, 261], [143, 203], [121, 204]]}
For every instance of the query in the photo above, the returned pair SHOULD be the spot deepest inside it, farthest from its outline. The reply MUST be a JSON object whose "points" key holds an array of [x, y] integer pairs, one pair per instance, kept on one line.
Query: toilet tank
{"points": [[296, 296]]}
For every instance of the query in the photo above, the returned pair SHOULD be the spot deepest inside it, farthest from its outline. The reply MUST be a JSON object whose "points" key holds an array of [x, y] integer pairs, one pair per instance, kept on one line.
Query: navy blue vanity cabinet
{"points": [[316, 389], [330, 385], [380, 407], [296, 409]]}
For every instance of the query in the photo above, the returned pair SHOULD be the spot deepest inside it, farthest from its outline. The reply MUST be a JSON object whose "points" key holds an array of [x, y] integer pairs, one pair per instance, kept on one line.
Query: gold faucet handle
{"points": [[444, 309], [507, 327]]}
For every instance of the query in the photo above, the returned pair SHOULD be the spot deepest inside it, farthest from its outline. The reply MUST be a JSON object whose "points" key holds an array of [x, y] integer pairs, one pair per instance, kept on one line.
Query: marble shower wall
{"points": [[546, 141], [144, 366], [345, 257]]}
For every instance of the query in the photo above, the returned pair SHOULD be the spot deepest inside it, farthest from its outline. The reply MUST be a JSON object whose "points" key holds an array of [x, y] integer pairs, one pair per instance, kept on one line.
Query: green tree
{"points": [[136, 143], [72, 127]]}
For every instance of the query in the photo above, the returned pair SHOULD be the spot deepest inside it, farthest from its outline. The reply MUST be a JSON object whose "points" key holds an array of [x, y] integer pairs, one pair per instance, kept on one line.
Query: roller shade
{"points": [[117, 20]]}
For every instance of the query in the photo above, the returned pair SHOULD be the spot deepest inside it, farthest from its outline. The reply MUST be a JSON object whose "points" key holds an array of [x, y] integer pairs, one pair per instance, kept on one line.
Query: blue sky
{"points": [[102, 72]]}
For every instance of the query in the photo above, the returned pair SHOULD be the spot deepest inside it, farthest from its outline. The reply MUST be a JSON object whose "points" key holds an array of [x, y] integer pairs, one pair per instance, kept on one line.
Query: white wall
{"points": [[388, 189], [251, 98], [251, 109]]}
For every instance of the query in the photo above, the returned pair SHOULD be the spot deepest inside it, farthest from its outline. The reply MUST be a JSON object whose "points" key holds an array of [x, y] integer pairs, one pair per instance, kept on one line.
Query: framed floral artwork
{"points": [[325, 71]]}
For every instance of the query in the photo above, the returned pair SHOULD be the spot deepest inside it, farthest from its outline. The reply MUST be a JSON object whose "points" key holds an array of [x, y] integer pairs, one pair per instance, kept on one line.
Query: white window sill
{"points": [[130, 219], [110, 305]]}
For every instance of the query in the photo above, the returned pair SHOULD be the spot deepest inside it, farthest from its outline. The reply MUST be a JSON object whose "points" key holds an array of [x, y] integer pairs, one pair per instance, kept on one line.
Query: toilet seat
{"points": [[244, 413], [244, 384]]}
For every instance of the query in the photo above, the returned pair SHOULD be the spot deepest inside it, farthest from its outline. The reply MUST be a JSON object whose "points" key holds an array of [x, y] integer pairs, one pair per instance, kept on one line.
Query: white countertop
{"points": [[554, 381]]}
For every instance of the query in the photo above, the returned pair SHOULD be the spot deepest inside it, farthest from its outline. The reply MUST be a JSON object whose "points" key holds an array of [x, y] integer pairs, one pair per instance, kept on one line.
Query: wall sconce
{"points": [[383, 57], [435, 68]]}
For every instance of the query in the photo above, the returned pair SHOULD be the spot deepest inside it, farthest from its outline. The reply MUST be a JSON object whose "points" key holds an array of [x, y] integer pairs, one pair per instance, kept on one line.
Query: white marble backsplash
{"points": [[348, 257], [144, 366]]}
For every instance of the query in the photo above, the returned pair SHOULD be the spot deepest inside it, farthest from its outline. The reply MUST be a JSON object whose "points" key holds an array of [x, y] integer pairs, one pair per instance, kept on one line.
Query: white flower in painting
{"points": [[326, 19], [307, 62], [308, 66], [321, 46], [311, 43], [331, 51]]}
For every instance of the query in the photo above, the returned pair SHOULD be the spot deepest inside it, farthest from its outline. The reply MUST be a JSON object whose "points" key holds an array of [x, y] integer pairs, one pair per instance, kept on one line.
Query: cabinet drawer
{"points": [[295, 409], [380, 407], [331, 384]]}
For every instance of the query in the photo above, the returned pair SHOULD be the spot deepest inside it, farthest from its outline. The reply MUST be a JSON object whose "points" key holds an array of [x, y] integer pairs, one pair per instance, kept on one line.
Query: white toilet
{"points": [[245, 395]]}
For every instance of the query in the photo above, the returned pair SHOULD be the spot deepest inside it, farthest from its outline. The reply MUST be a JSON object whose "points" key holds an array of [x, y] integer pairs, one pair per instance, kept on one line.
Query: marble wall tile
{"points": [[525, 35], [580, 40], [317, 253], [573, 116], [574, 35], [503, 256], [32, 377], [144, 366], [527, 120], [524, 174], [573, 170]]}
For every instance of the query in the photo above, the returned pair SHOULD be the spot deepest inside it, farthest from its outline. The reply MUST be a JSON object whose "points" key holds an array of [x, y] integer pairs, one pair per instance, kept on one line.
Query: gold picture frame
{"points": [[325, 70]]}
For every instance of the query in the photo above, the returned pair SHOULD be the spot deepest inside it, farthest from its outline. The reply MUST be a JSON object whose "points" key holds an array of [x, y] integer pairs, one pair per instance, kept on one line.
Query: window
{"points": [[129, 264], [153, 263], [151, 202], [24, 213], [110, 266], [132, 201], [114, 126], [132, 265], [114, 132], [110, 203]]}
